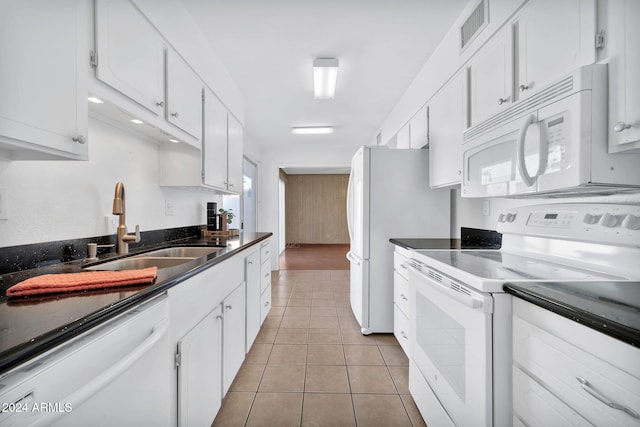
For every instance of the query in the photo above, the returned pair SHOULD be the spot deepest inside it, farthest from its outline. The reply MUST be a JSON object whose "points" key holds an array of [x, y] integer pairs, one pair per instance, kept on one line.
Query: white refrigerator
{"points": [[388, 197]]}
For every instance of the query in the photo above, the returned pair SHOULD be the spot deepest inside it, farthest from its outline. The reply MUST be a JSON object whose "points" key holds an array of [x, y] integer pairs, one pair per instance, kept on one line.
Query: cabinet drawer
{"points": [[401, 328], [534, 406], [398, 259], [265, 303], [401, 292], [265, 276], [265, 253], [562, 367]]}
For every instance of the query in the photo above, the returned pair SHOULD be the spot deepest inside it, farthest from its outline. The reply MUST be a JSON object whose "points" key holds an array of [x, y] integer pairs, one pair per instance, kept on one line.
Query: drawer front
{"points": [[401, 329], [265, 303], [398, 259], [401, 293], [265, 253], [571, 373], [534, 406], [265, 276]]}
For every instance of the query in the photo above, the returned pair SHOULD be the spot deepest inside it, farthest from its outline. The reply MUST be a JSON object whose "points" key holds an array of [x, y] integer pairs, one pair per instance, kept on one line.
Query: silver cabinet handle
{"points": [[266, 275], [176, 115], [267, 253], [79, 139], [403, 297], [160, 104], [266, 304], [587, 387], [523, 88], [620, 126], [230, 185], [404, 335], [250, 262], [219, 316], [228, 307], [503, 100]]}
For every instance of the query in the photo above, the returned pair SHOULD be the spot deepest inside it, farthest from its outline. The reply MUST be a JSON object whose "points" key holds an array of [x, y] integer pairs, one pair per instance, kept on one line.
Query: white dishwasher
{"points": [[118, 373]]}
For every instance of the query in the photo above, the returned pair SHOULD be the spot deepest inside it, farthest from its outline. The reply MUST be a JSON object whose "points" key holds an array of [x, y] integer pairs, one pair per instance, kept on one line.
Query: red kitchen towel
{"points": [[67, 282]]}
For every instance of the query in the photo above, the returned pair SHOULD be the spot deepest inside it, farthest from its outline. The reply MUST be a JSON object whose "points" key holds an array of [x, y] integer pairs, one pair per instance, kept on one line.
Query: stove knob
{"points": [[590, 219], [609, 220], [501, 218], [632, 222], [510, 217]]}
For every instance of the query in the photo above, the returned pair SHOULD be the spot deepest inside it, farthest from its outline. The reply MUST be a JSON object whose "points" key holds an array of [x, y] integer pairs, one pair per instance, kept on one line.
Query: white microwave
{"points": [[550, 144]]}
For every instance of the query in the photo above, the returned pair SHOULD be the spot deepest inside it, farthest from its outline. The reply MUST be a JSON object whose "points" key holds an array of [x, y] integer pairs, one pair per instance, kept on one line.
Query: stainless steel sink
{"points": [[137, 262], [181, 252]]}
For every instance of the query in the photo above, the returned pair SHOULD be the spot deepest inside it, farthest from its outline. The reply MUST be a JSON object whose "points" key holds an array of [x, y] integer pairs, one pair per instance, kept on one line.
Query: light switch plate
{"points": [[4, 203], [169, 208], [486, 208]]}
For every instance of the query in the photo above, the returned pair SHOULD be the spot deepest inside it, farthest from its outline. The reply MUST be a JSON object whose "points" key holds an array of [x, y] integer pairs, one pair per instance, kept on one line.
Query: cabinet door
{"points": [[43, 84], [184, 96], [214, 144], [553, 38], [252, 277], [233, 336], [446, 113], [418, 134], [623, 33], [403, 138], [199, 372], [490, 78], [235, 151], [133, 65]]}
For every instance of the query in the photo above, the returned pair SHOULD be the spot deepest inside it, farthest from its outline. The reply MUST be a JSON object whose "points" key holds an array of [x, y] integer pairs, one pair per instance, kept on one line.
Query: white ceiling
{"points": [[268, 47]]}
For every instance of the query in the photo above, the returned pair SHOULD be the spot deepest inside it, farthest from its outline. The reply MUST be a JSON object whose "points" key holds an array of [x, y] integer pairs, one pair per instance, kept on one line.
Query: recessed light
{"points": [[95, 100], [137, 121], [312, 130], [173, 140], [325, 77]]}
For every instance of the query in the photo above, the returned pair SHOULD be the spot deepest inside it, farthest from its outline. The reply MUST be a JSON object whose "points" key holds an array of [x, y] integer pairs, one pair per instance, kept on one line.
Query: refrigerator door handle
{"points": [[349, 206], [353, 258]]}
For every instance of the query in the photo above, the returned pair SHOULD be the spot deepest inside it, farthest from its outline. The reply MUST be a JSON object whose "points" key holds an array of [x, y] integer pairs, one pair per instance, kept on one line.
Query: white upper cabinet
{"points": [[418, 129], [130, 54], [234, 159], [622, 44], [184, 96], [446, 119], [214, 144], [552, 39], [491, 77], [43, 84]]}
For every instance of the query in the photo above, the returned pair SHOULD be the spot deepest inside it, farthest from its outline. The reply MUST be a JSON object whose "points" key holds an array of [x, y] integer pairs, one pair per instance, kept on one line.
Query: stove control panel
{"points": [[590, 222]]}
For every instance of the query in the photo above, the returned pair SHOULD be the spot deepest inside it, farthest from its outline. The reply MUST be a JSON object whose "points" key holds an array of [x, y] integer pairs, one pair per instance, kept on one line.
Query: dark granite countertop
{"points": [[471, 238], [612, 308], [32, 325]]}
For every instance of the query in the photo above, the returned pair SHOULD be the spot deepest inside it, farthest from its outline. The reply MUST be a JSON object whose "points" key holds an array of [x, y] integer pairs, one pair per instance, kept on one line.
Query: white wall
{"points": [[58, 200], [275, 158]]}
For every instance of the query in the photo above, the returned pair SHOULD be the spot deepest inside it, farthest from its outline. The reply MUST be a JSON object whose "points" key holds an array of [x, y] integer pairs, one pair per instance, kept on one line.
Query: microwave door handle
{"points": [[522, 166]]}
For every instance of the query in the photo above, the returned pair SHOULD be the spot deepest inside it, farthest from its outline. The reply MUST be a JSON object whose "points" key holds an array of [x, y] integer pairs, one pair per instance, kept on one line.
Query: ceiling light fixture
{"points": [[325, 77], [312, 130], [95, 100], [137, 121]]}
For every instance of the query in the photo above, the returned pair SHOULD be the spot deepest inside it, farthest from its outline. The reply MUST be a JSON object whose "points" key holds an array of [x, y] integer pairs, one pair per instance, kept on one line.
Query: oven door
{"points": [[451, 344]]}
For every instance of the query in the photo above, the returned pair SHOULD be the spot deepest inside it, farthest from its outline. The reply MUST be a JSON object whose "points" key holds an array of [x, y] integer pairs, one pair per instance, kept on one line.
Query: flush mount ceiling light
{"points": [[325, 77], [137, 121], [312, 130], [95, 100]]}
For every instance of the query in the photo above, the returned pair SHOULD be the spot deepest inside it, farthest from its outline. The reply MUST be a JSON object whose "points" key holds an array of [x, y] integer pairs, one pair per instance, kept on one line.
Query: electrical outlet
{"points": [[109, 224], [4, 203], [169, 208], [486, 208]]}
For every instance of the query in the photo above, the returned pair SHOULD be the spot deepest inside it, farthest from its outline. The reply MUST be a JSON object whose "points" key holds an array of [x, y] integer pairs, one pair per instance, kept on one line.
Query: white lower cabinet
{"points": [[254, 295], [401, 304], [200, 358], [233, 335], [565, 373]]}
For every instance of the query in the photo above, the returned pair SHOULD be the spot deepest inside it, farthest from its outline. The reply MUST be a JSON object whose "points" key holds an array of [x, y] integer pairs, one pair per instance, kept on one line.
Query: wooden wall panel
{"points": [[315, 209]]}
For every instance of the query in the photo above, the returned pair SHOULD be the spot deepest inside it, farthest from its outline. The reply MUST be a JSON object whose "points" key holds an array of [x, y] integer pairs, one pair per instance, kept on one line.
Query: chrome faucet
{"points": [[124, 238]]}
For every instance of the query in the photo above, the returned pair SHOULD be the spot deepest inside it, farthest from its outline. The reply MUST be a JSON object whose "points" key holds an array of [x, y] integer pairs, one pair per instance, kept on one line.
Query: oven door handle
{"points": [[472, 299]]}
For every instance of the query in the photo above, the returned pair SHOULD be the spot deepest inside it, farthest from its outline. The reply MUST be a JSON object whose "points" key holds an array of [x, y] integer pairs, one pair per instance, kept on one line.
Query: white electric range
{"points": [[461, 335]]}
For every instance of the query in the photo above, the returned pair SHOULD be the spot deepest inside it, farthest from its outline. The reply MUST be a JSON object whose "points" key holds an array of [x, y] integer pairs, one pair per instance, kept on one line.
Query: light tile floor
{"points": [[311, 366]]}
